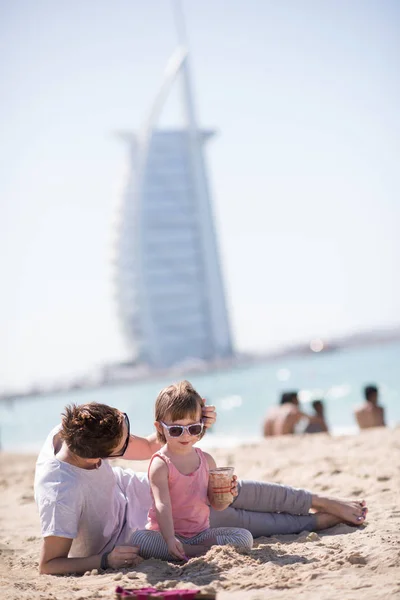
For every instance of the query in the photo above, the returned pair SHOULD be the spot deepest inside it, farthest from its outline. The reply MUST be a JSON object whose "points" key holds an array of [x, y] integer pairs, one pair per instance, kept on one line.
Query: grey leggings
{"points": [[267, 509], [152, 544]]}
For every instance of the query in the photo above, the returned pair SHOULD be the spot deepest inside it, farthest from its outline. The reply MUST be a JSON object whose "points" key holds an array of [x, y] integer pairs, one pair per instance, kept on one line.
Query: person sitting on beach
{"points": [[320, 425], [370, 414], [178, 524], [89, 510], [282, 419]]}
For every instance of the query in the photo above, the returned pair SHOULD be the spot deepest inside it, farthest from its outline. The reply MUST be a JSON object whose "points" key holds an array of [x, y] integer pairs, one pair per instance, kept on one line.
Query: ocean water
{"points": [[242, 396]]}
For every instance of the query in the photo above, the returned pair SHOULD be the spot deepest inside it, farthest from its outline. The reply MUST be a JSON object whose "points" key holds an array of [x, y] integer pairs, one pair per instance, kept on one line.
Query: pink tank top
{"points": [[189, 500]]}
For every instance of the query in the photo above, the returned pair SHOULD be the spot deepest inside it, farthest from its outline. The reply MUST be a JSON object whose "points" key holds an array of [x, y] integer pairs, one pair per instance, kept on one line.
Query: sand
{"points": [[344, 562]]}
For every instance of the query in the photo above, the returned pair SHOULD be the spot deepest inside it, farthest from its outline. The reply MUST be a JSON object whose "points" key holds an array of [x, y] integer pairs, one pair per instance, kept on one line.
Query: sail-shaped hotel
{"points": [[169, 287]]}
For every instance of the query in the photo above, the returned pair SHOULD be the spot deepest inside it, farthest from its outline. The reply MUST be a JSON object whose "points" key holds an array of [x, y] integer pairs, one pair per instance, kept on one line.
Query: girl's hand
{"points": [[209, 414], [175, 548], [234, 486]]}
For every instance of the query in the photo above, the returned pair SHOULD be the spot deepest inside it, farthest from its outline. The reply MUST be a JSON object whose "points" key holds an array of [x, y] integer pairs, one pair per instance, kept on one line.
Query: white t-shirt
{"points": [[98, 508]]}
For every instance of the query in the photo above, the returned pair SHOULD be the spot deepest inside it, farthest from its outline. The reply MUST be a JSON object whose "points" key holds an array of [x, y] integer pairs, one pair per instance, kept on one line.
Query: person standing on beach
{"points": [[178, 522], [370, 414], [89, 509]]}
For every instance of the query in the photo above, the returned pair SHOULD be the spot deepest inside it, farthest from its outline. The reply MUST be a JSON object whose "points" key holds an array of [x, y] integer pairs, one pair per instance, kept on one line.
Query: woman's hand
{"points": [[123, 557], [209, 414], [175, 548], [234, 486]]}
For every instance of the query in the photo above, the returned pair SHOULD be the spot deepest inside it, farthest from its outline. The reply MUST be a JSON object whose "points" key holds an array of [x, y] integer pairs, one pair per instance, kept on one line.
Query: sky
{"points": [[304, 170]]}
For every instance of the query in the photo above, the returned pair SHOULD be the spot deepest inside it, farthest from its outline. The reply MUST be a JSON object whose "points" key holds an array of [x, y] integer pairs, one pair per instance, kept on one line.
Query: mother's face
{"points": [[120, 449]]}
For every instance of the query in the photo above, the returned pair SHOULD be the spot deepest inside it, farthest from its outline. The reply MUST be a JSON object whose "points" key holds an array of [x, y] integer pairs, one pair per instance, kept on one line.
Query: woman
{"points": [[89, 510]]}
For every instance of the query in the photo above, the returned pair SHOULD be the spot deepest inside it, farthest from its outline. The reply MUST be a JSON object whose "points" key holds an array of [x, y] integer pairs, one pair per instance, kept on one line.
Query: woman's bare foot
{"points": [[348, 511], [325, 520]]}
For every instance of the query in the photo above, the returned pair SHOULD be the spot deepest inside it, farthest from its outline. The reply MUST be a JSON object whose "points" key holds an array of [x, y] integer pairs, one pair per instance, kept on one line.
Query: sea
{"points": [[242, 396]]}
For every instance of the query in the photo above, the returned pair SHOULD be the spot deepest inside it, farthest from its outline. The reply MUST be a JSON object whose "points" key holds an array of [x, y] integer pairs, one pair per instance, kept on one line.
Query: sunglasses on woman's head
{"points": [[177, 430]]}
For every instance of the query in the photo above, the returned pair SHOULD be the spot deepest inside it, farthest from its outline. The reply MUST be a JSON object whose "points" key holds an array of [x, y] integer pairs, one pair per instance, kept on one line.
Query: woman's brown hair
{"points": [[178, 401], [92, 430]]}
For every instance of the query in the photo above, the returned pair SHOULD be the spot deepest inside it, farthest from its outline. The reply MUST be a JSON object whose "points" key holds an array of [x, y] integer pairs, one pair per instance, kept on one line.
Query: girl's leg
{"points": [[152, 545], [272, 497], [261, 523], [222, 536]]}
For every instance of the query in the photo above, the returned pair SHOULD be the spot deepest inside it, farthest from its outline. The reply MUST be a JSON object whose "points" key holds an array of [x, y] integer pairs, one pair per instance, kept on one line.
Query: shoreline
{"points": [[341, 562], [142, 374], [220, 442]]}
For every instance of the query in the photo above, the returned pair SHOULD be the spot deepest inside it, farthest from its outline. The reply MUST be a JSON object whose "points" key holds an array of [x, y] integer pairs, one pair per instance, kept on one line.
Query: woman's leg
{"points": [[272, 497], [347, 511], [256, 500], [262, 523]]}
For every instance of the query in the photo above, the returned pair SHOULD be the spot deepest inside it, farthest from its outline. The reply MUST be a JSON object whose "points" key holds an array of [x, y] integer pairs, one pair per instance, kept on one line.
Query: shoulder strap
{"points": [[163, 457], [203, 460]]}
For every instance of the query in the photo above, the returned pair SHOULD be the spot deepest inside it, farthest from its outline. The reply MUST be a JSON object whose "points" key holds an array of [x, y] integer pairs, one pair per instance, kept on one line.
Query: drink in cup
{"points": [[221, 482]]}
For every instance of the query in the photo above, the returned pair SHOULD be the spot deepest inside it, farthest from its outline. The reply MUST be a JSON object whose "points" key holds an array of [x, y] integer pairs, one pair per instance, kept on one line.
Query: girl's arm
{"points": [[217, 506], [158, 475]]}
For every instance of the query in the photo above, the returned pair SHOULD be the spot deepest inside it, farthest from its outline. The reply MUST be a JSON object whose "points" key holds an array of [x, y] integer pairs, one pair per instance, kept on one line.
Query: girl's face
{"points": [[192, 428]]}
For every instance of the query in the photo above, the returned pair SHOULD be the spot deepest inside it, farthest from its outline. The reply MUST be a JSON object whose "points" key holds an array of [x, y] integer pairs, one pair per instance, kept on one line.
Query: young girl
{"points": [[178, 524]]}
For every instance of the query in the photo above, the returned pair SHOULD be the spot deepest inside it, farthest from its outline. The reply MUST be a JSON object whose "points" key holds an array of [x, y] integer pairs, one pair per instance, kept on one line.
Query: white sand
{"points": [[345, 563]]}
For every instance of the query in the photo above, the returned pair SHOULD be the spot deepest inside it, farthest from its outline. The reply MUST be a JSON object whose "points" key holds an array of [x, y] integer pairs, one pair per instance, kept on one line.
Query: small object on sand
{"points": [[154, 594], [355, 558], [94, 572], [118, 576]]}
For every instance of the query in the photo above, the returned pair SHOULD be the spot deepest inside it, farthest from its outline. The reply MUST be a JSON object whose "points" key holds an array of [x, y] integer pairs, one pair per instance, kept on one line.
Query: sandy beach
{"points": [[344, 562]]}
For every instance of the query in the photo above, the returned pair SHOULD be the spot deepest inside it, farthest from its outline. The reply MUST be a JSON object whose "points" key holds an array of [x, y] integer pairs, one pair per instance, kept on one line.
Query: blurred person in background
{"points": [[370, 414], [320, 425], [282, 419]]}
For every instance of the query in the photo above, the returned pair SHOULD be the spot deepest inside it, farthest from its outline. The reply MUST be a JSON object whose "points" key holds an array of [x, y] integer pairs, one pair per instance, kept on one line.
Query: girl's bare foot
{"points": [[349, 511], [199, 550], [192, 551]]}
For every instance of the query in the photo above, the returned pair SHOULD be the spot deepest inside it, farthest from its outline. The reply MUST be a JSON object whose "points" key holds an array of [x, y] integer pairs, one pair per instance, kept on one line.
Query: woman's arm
{"points": [[54, 558], [208, 414], [142, 448], [210, 492]]}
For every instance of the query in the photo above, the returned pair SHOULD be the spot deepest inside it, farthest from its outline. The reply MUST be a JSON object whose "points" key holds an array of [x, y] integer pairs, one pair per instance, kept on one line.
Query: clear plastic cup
{"points": [[221, 481]]}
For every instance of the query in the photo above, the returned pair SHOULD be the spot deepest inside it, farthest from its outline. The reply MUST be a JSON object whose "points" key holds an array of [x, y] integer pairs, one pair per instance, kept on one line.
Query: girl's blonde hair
{"points": [[178, 401]]}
